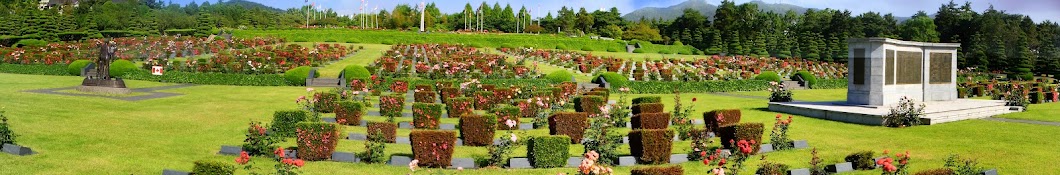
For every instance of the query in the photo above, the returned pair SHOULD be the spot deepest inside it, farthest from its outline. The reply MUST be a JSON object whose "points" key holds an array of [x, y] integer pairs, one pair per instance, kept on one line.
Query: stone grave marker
{"points": [[519, 162], [403, 140], [678, 158], [802, 171], [799, 144], [328, 120], [357, 136], [447, 126], [766, 148], [230, 150], [466, 163], [990, 172], [627, 161], [404, 125], [526, 126], [173, 172], [399, 161], [17, 150], [574, 161], [345, 157], [839, 167]]}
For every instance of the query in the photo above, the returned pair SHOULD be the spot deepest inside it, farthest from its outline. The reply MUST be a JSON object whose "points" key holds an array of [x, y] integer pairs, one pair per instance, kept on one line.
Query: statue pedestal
{"points": [[106, 86]]}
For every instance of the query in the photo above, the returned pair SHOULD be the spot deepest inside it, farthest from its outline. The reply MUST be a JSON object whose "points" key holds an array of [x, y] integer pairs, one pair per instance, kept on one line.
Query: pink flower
{"points": [[514, 137], [414, 164], [308, 89], [510, 123]]}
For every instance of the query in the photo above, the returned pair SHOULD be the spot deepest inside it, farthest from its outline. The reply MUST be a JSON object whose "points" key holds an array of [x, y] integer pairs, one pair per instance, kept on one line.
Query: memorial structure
{"points": [[883, 70], [102, 82]]}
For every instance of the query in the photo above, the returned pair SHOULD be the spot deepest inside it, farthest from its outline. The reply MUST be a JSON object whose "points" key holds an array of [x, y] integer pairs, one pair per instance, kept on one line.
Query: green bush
{"points": [[666, 87], [559, 76], [7, 136], [75, 67], [615, 79], [659, 170], [830, 84], [209, 78], [741, 131], [182, 32], [651, 146], [297, 75], [31, 43], [211, 167], [122, 67], [283, 122], [648, 99], [315, 140], [34, 69], [768, 76], [548, 151], [356, 71], [809, 77], [587, 48], [773, 168], [862, 160]]}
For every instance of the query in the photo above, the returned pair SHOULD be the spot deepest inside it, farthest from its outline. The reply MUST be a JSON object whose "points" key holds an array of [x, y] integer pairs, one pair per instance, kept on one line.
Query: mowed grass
{"points": [[91, 135]]}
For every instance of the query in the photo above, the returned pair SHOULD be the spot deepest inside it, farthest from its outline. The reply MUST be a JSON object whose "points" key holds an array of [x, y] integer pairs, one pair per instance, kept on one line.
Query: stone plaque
{"points": [[910, 70], [941, 66], [858, 74], [888, 68]]}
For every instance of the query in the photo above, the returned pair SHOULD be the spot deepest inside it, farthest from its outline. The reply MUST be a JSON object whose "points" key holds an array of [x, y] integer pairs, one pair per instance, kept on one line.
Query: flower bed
{"points": [[742, 131], [571, 124], [458, 107], [504, 114], [433, 148], [424, 97], [349, 113], [447, 61], [388, 130], [317, 140], [325, 101], [651, 146], [283, 122], [722, 117], [426, 115], [651, 121], [399, 86], [449, 93], [548, 151], [477, 130], [390, 106]]}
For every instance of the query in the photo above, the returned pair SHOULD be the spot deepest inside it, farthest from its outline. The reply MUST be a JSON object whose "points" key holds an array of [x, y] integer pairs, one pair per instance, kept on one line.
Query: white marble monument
{"points": [[884, 70]]}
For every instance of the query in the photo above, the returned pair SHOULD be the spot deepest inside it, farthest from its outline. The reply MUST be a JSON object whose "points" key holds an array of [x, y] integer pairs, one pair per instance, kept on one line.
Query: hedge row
{"points": [[741, 131], [524, 82], [728, 117], [571, 124], [349, 113], [667, 87], [448, 93], [831, 84], [660, 170], [391, 105], [657, 120], [651, 146], [209, 78], [505, 113], [648, 99], [477, 130], [433, 148], [326, 101], [388, 130], [317, 140], [283, 122], [423, 97], [426, 115], [483, 100], [647, 108], [34, 69], [589, 103], [457, 107], [548, 151]]}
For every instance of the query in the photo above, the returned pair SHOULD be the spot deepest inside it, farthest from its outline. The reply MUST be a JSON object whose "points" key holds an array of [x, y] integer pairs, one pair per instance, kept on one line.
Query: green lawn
{"points": [[1049, 112], [362, 57], [91, 135]]}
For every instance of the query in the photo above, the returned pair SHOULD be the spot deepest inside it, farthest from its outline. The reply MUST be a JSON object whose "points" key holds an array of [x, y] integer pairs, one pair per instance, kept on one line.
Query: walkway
{"points": [[151, 94]]}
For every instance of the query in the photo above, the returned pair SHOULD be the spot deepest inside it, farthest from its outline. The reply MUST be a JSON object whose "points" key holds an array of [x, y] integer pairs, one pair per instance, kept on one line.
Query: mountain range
{"points": [[704, 8]]}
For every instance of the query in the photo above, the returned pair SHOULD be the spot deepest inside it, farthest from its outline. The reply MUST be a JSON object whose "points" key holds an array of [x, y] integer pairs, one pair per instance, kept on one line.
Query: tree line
{"points": [[991, 40]]}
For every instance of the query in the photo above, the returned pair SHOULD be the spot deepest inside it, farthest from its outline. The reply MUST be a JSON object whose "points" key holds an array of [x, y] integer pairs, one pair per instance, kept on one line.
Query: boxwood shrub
{"points": [[741, 131], [447, 93], [768, 76], [548, 151], [667, 87], [424, 96], [349, 113], [317, 140], [658, 170], [75, 67], [433, 148], [426, 115], [210, 78], [589, 103], [728, 117], [356, 71], [505, 113], [391, 105], [650, 120], [559, 76], [571, 124], [483, 100], [773, 168], [388, 130], [478, 130], [283, 122], [122, 67], [297, 75], [862, 160], [461, 106], [647, 108], [212, 167], [648, 99], [651, 146], [34, 69]]}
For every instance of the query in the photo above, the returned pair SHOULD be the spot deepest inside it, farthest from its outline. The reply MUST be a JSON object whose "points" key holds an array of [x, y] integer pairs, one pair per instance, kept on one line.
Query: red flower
{"points": [[299, 163], [721, 163], [706, 161], [243, 158], [693, 99], [778, 116], [279, 152], [702, 154]]}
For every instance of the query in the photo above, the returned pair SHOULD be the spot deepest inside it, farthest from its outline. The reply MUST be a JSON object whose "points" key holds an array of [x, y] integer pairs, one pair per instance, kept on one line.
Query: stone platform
{"points": [[934, 112]]}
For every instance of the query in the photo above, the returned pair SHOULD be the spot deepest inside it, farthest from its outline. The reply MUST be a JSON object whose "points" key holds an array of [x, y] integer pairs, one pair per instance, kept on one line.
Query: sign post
{"points": [[157, 70]]}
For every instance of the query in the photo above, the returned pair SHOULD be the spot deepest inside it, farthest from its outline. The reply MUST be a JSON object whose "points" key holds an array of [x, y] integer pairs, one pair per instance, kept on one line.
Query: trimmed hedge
{"points": [[729, 117], [326, 101], [658, 170], [297, 75], [647, 108], [648, 99], [391, 105], [650, 121], [651, 146], [548, 151], [589, 103], [389, 130], [667, 87], [741, 131], [505, 113], [317, 140], [559, 76], [433, 149], [862, 160], [448, 93], [212, 167], [769, 168], [30, 43], [768, 76], [937, 171], [426, 115], [121, 67], [810, 79], [34, 69], [483, 100], [423, 97], [210, 78], [283, 122], [571, 124], [75, 67], [457, 107], [349, 113], [614, 79], [830, 84], [477, 130]]}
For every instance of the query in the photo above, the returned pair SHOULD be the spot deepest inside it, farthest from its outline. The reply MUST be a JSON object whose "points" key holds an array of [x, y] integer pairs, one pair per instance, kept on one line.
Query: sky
{"points": [[1039, 10]]}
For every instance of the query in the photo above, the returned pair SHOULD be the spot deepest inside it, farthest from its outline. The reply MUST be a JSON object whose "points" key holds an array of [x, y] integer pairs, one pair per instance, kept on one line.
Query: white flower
{"points": [[515, 138], [414, 164], [308, 89]]}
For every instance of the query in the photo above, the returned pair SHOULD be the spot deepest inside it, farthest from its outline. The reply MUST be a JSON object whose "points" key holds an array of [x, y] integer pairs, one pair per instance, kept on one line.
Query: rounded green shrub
{"points": [[768, 76], [587, 48], [559, 76], [615, 79], [212, 167], [297, 75], [808, 77], [638, 50], [31, 42], [356, 71], [122, 67], [612, 49], [561, 47], [75, 67]]}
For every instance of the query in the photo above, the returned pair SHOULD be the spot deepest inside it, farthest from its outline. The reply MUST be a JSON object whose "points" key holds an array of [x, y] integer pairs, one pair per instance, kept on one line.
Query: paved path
{"points": [[151, 93], [1023, 121]]}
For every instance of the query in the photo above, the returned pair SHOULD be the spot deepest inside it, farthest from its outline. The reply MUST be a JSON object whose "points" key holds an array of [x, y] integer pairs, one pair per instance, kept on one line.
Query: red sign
{"points": [[157, 70]]}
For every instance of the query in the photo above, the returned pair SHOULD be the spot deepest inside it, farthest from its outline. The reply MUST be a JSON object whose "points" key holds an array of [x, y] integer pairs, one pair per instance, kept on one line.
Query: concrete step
{"points": [[792, 85], [977, 113], [324, 82]]}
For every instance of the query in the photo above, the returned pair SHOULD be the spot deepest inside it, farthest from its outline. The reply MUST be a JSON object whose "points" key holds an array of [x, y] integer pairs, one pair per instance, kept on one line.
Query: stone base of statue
{"points": [[105, 86]]}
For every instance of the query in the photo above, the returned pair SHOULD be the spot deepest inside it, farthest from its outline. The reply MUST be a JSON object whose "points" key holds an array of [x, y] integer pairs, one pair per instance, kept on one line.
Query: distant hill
{"points": [[250, 5], [704, 8]]}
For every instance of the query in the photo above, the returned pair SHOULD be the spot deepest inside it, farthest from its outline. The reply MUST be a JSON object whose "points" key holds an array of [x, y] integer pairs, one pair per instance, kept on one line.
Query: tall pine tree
{"points": [[1023, 62]]}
